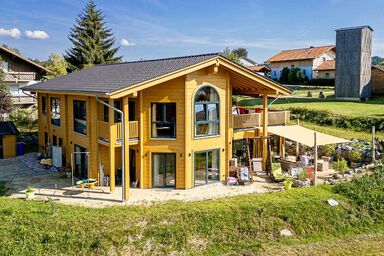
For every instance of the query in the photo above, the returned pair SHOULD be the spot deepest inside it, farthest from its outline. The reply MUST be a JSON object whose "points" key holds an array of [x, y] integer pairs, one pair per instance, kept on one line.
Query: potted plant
{"points": [[288, 184], [30, 193], [328, 151], [340, 166], [355, 158]]}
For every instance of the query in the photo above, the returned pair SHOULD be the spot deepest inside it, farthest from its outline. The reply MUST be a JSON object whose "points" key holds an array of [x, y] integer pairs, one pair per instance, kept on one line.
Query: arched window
{"points": [[207, 115]]}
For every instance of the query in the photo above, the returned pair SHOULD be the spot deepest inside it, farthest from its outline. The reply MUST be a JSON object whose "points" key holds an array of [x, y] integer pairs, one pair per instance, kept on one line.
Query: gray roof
{"points": [[357, 27], [8, 128], [108, 78]]}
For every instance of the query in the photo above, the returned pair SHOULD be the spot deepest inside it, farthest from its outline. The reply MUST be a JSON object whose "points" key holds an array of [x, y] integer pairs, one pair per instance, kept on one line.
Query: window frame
{"points": [[207, 181], [74, 116], [166, 155], [206, 121], [58, 106], [163, 106]]}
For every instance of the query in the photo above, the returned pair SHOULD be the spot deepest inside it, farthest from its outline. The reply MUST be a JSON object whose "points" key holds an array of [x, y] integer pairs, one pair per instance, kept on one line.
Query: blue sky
{"points": [[165, 28]]}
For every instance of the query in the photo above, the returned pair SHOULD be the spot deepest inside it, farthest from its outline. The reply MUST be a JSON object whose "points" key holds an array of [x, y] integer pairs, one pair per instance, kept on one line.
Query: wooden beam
{"points": [[265, 131], [126, 146], [252, 92]]}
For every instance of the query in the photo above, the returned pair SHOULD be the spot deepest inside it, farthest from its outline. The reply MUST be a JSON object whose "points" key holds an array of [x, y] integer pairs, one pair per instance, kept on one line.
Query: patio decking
{"points": [[23, 171]]}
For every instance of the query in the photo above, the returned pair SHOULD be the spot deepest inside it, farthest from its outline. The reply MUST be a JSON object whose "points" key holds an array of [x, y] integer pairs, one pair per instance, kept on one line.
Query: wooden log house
{"points": [[179, 125]]}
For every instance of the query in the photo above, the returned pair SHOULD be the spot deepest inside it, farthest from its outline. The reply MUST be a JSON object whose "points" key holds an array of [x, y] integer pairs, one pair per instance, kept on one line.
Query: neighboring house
{"points": [[307, 59], [8, 139], [252, 65], [377, 80], [20, 72], [260, 69], [247, 62], [178, 119], [326, 70]]}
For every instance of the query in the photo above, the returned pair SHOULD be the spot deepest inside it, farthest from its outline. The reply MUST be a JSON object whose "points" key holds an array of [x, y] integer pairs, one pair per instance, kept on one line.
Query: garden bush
{"points": [[327, 118]]}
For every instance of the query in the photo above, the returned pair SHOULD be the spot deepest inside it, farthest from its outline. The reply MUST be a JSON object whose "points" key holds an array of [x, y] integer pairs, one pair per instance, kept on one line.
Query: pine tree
{"points": [[93, 43]]}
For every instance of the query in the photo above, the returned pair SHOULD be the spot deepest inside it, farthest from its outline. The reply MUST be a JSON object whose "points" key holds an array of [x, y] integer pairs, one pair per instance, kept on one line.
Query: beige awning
{"points": [[304, 135]]}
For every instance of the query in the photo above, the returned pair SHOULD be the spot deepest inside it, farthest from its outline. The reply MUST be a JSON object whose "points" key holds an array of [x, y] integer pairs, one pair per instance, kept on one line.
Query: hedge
{"points": [[327, 118]]}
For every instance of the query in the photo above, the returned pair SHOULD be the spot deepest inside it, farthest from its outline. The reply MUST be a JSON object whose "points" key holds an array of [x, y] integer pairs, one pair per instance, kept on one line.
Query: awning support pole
{"points": [[373, 145], [315, 158]]}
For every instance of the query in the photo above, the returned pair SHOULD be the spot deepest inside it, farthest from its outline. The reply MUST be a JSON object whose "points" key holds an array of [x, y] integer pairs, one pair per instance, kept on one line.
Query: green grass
{"points": [[373, 107], [245, 225], [340, 132]]}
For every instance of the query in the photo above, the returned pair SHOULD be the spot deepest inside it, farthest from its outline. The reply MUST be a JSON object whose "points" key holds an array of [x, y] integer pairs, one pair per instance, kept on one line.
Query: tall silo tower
{"points": [[353, 63]]}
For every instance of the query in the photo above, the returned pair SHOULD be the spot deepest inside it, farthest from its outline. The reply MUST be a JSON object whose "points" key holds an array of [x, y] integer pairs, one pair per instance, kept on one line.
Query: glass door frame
{"points": [[165, 173], [206, 165]]}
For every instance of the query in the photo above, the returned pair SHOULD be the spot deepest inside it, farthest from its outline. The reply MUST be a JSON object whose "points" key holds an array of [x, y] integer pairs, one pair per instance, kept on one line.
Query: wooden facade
{"points": [[103, 137], [19, 71], [377, 81], [353, 63]]}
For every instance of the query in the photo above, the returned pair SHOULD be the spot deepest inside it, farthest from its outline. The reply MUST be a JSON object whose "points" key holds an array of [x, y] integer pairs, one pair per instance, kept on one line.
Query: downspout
{"points": [[122, 144]]}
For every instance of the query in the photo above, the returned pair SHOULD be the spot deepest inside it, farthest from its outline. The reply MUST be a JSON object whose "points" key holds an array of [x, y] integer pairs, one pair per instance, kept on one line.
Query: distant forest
{"points": [[377, 60]]}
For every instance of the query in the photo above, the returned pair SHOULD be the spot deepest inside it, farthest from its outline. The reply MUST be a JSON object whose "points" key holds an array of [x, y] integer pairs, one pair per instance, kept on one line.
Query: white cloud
{"points": [[125, 42], [14, 32], [36, 34]]}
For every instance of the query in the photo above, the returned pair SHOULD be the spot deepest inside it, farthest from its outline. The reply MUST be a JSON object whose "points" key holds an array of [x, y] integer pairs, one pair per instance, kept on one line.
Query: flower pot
{"points": [[30, 195]]}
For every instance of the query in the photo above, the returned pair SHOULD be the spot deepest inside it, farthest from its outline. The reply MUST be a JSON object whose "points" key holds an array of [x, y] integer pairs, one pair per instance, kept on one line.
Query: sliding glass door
{"points": [[80, 162], [207, 168], [164, 170]]}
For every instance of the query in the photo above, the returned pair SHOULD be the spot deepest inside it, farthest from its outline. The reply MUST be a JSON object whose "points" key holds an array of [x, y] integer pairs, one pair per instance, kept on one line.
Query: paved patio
{"points": [[25, 171]]}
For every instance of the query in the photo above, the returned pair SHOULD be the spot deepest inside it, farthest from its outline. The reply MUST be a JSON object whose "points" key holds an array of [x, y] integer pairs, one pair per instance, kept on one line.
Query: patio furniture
{"points": [[86, 183], [277, 174]]}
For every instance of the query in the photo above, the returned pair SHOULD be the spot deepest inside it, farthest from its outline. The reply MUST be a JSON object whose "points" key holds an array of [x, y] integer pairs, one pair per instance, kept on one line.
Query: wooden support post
{"points": [[373, 145], [297, 143], [315, 158], [126, 145], [140, 163], [265, 131], [112, 142]]}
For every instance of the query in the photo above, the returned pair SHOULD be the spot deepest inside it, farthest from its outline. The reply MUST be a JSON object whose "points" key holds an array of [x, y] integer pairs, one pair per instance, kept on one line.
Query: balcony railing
{"points": [[19, 76], [23, 99], [103, 130], [256, 119]]}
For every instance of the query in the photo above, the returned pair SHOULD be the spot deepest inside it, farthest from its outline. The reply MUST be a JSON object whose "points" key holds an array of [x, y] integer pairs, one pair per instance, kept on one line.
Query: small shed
{"points": [[377, 80], [8, 139]]}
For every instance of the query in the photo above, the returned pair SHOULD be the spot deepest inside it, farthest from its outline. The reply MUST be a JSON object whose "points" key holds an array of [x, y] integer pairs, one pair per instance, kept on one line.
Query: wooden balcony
{"points": [[256, 119], [103, 130], [19, 76], [23, 100]]}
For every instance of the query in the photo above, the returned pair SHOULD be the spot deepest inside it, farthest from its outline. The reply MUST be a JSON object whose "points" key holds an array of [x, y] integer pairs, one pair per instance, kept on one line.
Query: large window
{"points": [[207, 168], [207, 115], [163, 120], [55, 111], [80, 116], [164, 170]]}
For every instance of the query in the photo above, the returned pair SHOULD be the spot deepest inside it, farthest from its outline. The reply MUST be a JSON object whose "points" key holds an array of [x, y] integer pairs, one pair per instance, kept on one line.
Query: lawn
{"points": [[373, 107], [340, 132], [240, 225]]}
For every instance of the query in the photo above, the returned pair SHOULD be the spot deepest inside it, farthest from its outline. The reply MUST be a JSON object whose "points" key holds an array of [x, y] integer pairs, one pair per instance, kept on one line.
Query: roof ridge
{"points": [[297, 49], [162, 59]]}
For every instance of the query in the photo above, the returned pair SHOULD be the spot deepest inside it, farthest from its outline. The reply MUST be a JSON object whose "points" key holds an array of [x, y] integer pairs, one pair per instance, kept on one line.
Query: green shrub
{"points": [[327, 118], [366, 192], [340, 166], [328, 150], [355, 156]]}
